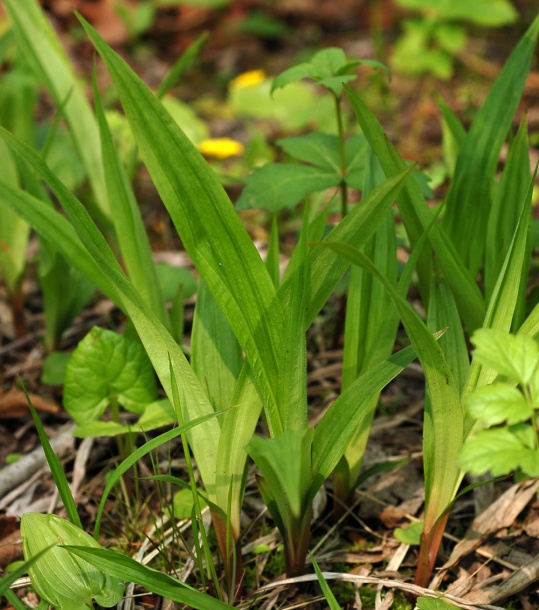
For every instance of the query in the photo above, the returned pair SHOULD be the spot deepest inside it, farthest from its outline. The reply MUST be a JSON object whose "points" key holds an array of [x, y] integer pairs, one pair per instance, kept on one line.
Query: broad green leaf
{"points": [[156, 415], [57, 230], [276, 186], [216, 355], [65, 581], [469, 200], [515, 356], [417, 218], [503, 302], [123, 567], [497, 403], [320, 149], [40, 45], [370, 327], [106, 368], [238, 427], [210, 230], [158, 343], [292, 388], [128, 224], [14, 231], [443, 313], [410, 534], [499, 451], [285, 464], [293, 74]]}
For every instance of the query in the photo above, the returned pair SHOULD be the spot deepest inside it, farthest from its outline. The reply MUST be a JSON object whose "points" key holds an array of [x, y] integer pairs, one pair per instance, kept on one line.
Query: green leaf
{"points": [[65, 581], [329, 68], [171, 278], [107, 367], [498, 402], [434, 603], [211, 231], [184, 62], [275, 186], [128, 223], [469, 200], [55, 466], [41, 47], [328, 594], [499, 451], [417, 218], [488, 13], [410, 534], [216, 355], [320, 149], [120, 566], [54, 368], [515, 356], [156, 415], [285, 464]]}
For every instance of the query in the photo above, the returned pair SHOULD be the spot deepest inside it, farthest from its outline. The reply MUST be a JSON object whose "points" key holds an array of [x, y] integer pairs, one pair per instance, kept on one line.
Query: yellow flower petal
{"points": [[247, 79], [221, 148]]}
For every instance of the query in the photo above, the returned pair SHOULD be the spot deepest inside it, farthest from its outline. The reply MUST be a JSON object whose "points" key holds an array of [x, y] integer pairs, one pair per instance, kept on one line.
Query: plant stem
{"points": [[344, 189]]}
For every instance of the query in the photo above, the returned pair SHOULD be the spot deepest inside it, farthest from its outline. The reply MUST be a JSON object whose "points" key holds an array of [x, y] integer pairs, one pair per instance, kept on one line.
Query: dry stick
{"points": [[519, 580], [356, 578], [23, 469]]}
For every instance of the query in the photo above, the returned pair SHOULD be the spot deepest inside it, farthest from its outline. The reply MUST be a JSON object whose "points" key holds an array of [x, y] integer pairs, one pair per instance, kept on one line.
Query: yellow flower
{"points": [[247, 79], [221, 148]]}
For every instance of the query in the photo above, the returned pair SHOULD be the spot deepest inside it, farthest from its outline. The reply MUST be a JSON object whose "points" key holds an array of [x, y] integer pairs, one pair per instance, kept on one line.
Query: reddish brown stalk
{"points": [[231, 554], [295, 551], [428, 551]]}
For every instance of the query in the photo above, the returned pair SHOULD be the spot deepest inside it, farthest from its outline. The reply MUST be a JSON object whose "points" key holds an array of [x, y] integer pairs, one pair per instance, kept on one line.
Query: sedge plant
{"points": [[450, 294]]}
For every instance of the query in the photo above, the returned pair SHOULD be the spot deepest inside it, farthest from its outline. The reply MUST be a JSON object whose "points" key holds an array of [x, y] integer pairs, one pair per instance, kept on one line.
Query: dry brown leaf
{"points": [[13, 404]]}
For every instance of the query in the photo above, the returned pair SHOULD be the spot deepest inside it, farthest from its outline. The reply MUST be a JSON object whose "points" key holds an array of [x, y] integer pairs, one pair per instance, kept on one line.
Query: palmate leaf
{"points": [[275, 186], [497, 403], [515, 356], [209, 228], [500, 451]]}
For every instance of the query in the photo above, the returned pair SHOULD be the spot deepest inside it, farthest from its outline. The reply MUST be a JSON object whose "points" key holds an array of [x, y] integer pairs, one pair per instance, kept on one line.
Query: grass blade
{"points": [[120, 566], [55, 466]]}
